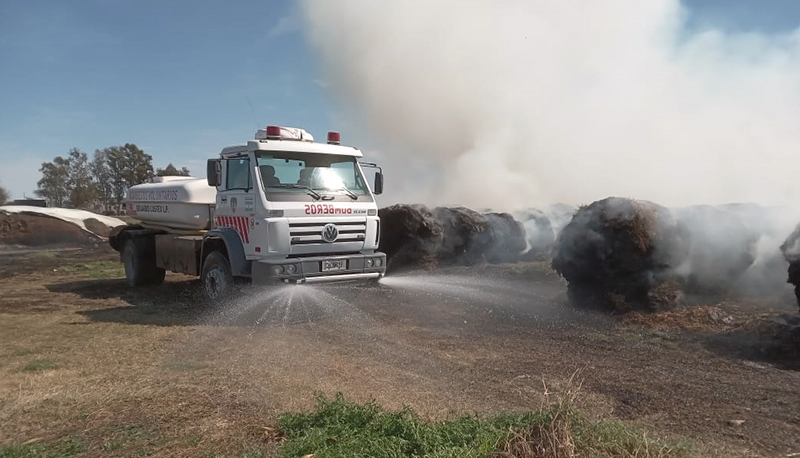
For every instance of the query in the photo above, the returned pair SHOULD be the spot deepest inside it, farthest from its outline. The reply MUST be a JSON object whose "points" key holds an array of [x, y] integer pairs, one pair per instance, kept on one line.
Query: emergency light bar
{"points": [[284, 133], [333, 138]]}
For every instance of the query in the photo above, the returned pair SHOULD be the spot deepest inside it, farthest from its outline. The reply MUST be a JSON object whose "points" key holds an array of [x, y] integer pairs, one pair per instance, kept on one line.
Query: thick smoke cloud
{"points": [[511, 104]]}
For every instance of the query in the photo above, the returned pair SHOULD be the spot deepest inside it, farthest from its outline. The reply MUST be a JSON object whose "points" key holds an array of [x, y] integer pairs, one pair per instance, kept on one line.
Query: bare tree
{"points": [[3, 195]]}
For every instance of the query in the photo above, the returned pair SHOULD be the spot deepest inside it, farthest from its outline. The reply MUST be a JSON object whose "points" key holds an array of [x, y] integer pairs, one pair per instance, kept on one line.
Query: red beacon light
{"points": [[274, 132], [334, 138]]}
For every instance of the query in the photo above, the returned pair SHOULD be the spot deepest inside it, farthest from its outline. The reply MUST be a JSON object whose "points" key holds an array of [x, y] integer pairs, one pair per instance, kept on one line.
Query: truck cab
{"points": [[285, 209]]}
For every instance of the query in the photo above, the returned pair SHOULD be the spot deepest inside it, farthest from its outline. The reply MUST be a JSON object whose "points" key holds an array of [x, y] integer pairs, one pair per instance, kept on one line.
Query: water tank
{"points": [[182, 203]]}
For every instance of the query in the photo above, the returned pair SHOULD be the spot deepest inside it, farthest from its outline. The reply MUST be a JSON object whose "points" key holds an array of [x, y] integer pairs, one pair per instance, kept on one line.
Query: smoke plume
{"points": [[511, 104]]}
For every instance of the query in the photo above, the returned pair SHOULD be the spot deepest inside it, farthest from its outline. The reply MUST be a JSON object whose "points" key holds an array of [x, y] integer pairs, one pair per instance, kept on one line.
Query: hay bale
{"points": [[791, 252], [37, 230], [539, 234], [721, 249], [508, 238], [410, 236], [467, 235], [616, 253]]}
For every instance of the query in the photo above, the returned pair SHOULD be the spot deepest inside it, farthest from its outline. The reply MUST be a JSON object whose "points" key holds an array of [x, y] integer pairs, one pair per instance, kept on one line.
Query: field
{"points": [[89, 367]]}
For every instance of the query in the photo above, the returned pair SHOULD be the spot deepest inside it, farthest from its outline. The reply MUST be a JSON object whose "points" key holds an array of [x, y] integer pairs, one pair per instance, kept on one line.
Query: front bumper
{"points": [[310, 269]]}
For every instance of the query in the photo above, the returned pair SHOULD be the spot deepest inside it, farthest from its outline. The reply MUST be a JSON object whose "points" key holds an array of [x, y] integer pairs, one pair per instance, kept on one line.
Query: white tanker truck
{"points": [[280, 208]]}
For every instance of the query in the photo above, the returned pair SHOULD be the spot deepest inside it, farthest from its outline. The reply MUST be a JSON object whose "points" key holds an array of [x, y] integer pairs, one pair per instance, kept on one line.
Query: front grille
{"points": [[309, 233]]}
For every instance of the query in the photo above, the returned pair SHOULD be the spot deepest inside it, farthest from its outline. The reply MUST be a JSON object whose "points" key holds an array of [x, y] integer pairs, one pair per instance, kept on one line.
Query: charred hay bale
{"points": [[791, 252], [508, 238], [410, 236], [616, 254], [539, 234], [467, 235], [721, 249]]}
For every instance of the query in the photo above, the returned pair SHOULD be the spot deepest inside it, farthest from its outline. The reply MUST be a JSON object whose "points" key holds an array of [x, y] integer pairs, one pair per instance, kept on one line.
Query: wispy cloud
{"points": [[286, 25]]}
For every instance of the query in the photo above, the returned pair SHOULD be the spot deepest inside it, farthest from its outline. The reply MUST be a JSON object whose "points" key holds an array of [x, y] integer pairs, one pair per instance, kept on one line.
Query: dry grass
{"points": [[687, 318]]}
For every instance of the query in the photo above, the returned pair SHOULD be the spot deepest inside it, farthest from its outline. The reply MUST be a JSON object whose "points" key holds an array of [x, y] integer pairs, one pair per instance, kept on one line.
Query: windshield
{"points": [[287, 174]]}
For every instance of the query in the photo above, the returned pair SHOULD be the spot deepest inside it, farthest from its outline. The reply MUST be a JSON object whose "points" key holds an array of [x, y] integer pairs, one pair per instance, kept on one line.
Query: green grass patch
{"points": [[39, 365], [43, 255], [337, 428], [61, 448], [96, 270], [22, 352]]}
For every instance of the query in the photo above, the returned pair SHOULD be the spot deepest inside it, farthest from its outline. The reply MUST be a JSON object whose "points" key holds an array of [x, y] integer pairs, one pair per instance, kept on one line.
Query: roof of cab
{"points": [[292, 146]]}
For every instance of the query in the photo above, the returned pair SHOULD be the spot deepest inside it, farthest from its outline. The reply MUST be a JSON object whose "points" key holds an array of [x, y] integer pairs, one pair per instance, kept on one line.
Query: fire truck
{"points": [[280, 208]]}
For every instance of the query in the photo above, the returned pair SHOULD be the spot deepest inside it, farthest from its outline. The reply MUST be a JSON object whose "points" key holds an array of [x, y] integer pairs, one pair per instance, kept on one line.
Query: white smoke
{"points": [[509, 104]]}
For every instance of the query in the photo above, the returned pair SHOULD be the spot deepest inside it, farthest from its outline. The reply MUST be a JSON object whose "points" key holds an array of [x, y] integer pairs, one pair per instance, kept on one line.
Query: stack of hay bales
{"points": [[508, 238], [415, 236], [410, 236], [791, 252], [721, 249], [467, 235], [616, 254]]}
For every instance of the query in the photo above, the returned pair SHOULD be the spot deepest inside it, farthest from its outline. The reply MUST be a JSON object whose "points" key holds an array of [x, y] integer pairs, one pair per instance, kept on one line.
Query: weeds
{"points": [[39, 365], [62, 448], [97, 270], [339, 428]]}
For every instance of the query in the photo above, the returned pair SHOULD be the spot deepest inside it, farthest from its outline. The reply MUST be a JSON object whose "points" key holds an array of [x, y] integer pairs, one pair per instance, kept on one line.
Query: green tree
{"points": [[82, 189], [101, 176], [54, 185], [127, 166], [172, 171], [3, 195]]}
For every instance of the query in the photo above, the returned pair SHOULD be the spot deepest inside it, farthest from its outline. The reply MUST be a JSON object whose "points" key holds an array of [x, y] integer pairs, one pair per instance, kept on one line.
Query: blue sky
{"points": [[182, 79]]}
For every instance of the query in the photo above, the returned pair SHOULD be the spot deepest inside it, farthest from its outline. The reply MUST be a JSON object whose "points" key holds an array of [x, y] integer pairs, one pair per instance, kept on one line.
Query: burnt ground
{"points": [[152, 371]]}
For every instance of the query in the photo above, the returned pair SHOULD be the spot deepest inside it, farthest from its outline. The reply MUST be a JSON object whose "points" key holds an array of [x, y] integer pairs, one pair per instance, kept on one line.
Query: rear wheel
{"points": [[140, 266], [217, 278]]}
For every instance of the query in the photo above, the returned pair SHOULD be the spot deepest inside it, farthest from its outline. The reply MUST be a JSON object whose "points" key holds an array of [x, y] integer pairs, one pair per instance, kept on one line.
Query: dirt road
{"points": [[151, 371]]}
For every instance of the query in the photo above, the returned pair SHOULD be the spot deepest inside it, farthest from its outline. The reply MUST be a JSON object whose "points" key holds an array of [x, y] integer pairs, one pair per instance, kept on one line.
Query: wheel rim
{"points": [[215, 283]]}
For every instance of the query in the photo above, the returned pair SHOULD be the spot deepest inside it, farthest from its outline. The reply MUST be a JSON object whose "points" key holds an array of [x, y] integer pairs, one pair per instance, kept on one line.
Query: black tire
{"points": [[140, 266], [217, 278]]}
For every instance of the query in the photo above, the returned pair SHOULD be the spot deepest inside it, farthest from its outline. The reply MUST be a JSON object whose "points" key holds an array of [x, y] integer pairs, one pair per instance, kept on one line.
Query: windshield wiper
{"points": [[310, 191], [343, 189]]}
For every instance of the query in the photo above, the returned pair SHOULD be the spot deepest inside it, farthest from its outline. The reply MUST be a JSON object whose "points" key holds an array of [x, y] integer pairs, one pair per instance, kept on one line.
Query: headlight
{"points": [[291, 268], [369, 262], [278, 270], [378, 262]]}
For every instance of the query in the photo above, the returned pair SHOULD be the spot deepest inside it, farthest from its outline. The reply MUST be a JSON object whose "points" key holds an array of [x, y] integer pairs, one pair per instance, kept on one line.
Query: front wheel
{"points": [[217, 278]]}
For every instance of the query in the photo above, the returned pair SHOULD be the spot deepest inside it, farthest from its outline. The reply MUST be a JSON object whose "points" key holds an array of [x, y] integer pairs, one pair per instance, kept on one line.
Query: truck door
{"points": [[235, 202]]}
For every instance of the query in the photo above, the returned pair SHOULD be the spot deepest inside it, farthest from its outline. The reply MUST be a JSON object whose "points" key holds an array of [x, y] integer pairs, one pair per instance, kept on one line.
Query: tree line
{"points": [[98, 183]]}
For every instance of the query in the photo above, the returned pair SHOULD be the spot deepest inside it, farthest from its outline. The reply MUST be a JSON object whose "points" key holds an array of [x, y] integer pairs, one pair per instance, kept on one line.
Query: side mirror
{"points": [[378, 188], [214, 172]]}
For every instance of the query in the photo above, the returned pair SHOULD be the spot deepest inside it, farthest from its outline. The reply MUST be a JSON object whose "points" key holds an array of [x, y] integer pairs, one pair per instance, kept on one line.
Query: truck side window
{"points": [[238, 176]]}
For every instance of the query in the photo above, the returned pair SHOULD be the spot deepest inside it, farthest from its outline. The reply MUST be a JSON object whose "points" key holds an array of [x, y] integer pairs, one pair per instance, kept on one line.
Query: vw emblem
{"points": [[330, 233]]}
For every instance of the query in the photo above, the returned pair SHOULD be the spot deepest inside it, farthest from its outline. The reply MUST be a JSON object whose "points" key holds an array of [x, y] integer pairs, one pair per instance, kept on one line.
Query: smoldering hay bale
{"points": [[721, 249], [508, 238], [467, 235], [616, 254], [791, 252], [410, 236]]}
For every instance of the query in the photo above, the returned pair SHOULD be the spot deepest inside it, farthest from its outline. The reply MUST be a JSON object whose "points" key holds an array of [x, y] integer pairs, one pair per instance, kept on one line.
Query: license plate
{"points": [[333, 264]]}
